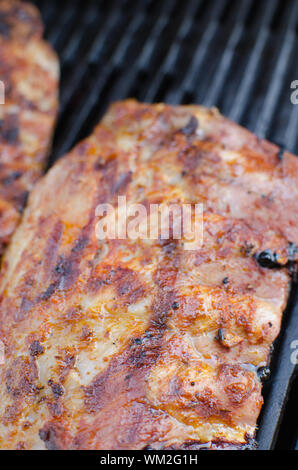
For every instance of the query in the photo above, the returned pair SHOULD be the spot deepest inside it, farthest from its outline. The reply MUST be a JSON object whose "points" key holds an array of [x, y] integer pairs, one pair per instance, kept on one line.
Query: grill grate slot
{"points": [[208, 32], [227, 57], [277, 79], [288, 434], [239, 55], [243, 93], [168, 66], [61, 26]]}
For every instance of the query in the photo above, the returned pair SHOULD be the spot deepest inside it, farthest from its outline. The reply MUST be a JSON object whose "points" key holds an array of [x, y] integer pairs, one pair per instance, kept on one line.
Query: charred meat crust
{"points": [[28, 115], [19, 20], [139, 344]]}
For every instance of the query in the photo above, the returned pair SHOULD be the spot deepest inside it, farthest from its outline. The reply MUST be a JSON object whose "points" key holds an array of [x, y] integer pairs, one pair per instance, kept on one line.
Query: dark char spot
{"points": [[50, 436], [57, 389], [267, 259], [122, 182], [280, 153], [263, 373], [80, 244], [191, 126], [36, 348], [21, 201], [49, 292], [220, 335], [9, 130], [4, 26], [11, 178]]}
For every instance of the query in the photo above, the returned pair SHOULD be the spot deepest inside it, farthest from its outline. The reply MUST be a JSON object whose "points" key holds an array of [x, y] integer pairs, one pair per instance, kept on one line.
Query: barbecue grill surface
{"points": [[239, 55]]}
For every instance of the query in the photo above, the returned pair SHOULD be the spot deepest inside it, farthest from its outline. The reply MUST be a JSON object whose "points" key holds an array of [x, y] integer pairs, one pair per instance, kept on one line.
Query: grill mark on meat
{"points": [[52, 247], [125, 281], [36, 349], [141, 355], [12, 413], [4, 25], [24, 309], [21, 377], [190, 127], [9, 129], [190, 158], [20, 201], [55, 407], [122, 183], [124, 381], [19, 19], [57, 389], [21, 381], [67, 269], [53, 435], [11, 178]]}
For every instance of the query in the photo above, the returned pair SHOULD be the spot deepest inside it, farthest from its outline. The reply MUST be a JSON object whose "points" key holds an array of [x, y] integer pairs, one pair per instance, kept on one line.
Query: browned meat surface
{"points": [[29, 71], [130, 344]]}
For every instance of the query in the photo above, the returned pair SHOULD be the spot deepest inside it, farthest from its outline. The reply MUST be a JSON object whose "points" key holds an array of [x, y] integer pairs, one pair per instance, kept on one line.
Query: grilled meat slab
{"points": [[133, 344], [29, 71]]}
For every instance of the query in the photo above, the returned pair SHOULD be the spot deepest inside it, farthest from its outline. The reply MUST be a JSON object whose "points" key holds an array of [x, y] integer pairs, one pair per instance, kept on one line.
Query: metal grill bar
{"points": [[171, 58], [96, 49], [70, 49], [49, 12], [276, 84], [124, 85], [244, 91], [227, 56], [61, 27], [291, 132], [190, 80], [156, 34], [239, 55]]}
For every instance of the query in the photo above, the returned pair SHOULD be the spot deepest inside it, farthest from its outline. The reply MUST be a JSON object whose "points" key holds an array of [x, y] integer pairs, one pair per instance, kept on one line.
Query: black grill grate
{"points": [[239, 55]]}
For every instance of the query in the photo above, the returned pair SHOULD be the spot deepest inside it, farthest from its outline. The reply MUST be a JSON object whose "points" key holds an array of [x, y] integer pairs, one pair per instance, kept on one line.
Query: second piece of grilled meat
{"points": [[133, 344], [29, 71]]}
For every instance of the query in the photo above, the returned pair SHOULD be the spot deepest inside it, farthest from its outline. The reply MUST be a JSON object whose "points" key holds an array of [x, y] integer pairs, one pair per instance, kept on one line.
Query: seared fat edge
{"points": [[132, 344], [29, 71]]}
